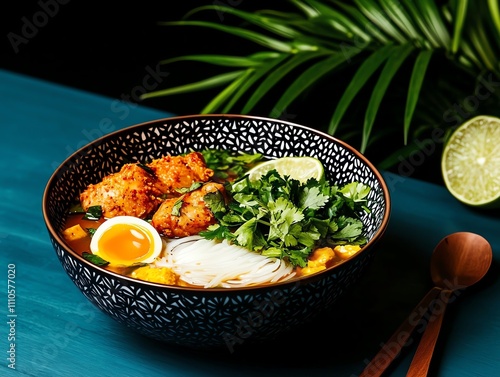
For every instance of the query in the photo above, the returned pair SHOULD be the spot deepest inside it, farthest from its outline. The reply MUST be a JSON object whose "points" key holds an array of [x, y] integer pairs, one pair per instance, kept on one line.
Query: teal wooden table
{"points": [[48, 328]]}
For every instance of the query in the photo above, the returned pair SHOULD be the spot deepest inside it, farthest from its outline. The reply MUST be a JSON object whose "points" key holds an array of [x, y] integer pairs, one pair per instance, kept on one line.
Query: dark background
{"points": [[110, 47], [102, 47]]}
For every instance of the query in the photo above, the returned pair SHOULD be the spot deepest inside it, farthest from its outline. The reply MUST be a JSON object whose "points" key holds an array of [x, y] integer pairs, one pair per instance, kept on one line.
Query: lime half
{"points": [[470, 164], [299, 168]]}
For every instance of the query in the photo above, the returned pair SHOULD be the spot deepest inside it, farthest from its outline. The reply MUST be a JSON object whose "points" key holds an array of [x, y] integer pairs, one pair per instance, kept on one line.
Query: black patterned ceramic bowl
{"points": [[209, 318]]}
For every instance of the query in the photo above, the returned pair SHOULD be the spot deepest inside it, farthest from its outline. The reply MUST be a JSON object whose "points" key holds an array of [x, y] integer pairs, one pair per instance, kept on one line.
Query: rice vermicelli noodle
{"points": [[212, 264]]}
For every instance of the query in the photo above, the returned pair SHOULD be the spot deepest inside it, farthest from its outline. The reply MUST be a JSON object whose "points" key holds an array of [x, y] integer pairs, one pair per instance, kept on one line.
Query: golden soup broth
{"points": [[82, 245]]}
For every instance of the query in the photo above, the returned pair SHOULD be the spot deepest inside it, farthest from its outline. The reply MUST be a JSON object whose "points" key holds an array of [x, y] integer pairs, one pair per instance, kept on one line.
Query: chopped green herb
{"points": [[176, 208], [215, 201], [91, 231], [281, 217], [227, 164], [146, 168], [95, 259], [76, 209], [93, 213], [185, 190]]}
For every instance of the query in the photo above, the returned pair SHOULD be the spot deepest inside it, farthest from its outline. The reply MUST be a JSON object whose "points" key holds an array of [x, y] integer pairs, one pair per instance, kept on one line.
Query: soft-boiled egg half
{"points": [[126, 240]]}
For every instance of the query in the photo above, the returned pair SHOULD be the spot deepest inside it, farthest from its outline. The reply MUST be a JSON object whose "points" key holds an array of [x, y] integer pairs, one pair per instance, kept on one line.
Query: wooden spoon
{"points": [[459, 260]]}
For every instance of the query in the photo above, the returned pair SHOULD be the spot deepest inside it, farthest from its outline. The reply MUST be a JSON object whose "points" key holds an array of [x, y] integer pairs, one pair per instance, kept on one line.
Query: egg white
{"points": [[130, 220]]}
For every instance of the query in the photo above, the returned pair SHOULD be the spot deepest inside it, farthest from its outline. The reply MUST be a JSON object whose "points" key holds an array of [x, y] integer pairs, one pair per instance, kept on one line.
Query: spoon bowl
{"points": [[460, 260]]}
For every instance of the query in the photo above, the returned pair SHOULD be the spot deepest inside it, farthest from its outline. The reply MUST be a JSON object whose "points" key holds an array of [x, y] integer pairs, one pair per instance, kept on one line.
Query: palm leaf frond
{"points": [[310, 76], [416, 81], [460, 13], [401, 18], [376, 14], [225, 60], [338, 20], [259, 38], [391, 67], [277, 74], [357, 16], [362, 75], [209, 83], [434, 21], [423, 25], [257, 75], [223, 96], [364, 45], [275, 25], [484, 51]]}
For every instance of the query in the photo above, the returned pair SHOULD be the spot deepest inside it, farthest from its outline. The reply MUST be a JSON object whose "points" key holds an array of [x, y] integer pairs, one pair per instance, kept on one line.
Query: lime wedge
{"points": [[470, 163], [299, 168]]}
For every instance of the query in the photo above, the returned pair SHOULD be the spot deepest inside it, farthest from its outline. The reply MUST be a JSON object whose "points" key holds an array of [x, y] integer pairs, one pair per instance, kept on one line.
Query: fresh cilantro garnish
{"points": [[215, 201], [93, 213], [176, 208], [95, 259], [185, 190], [91, 231], [228, 164], [283, 218], [147, 169], [76, 208]]}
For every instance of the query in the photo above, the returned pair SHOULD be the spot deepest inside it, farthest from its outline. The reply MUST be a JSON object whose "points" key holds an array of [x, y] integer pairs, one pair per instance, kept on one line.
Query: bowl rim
{"points": [[297, 281]]}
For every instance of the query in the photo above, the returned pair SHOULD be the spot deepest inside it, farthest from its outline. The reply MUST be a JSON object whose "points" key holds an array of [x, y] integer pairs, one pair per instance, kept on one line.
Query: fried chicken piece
{"points": [[131, 191], [194, 215], [174, 172]]}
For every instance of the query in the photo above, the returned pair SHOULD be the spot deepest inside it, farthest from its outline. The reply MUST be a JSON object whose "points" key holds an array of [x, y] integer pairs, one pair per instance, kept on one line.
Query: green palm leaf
{"points": [[324, 40], [275, 25], [259, 38], [416, 81], [390, 69], [363, 74], [434, 21], [219, 100], [484, 50], [401, 18], [258, 74], [209, 83], [460, 13], [306, 79], [278, 74], [337, 20], [494, 10], [226, 61], [423, 25], [371, 29], [376, 14]]}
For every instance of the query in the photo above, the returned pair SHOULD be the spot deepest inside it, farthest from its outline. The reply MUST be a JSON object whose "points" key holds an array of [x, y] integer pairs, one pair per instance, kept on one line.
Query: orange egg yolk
{"points": [[125, 244]]}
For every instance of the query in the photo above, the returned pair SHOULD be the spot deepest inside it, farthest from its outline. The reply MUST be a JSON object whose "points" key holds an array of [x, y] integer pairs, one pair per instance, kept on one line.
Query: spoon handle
{"points": [[421, 360], [391, 349]]}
